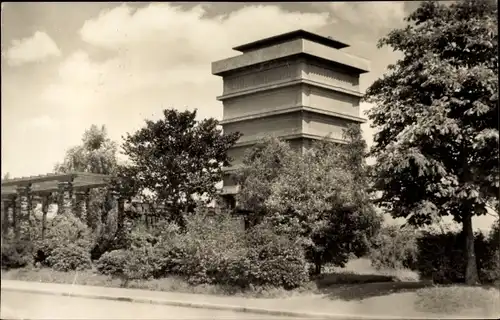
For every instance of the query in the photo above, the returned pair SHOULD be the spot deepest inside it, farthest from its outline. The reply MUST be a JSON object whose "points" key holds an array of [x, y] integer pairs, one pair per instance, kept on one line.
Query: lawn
{"points": [[354, 282], [374, 289]]}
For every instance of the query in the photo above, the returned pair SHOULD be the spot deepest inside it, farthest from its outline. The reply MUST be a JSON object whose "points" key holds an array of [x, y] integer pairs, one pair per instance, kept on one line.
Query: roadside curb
{"points": [[185, 304]]}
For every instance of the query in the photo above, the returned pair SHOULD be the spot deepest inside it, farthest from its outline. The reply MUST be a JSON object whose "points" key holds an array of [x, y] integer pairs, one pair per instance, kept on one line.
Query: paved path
{"points": [[318, 305], [20, 305], [395, 306]]}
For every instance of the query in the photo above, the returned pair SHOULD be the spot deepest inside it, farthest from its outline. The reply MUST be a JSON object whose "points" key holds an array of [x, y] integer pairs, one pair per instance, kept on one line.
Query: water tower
{"points": [[299, 86]]}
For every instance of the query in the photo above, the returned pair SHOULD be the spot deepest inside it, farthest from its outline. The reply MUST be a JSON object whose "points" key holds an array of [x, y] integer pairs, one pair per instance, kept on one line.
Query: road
{"points": [[18, 305]]}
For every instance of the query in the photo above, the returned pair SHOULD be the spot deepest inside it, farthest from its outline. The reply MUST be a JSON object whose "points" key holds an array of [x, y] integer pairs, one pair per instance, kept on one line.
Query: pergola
{"points": [[69, 190]]}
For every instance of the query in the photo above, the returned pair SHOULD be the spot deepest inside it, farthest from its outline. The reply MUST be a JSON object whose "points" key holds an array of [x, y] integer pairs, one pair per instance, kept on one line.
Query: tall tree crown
{"points": [[436, 112]]}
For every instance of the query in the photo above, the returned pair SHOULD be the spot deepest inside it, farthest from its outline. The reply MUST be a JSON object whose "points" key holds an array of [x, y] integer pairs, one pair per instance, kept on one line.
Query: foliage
{"points": [[272, 259], [112, 263], [436, 112], [491, 270], [320, 196], [96, 154], [262, 165], [212, 249], [140, 263], [16, 254], [394, 247], [176, 158], [441, 256], [62, 231], [201, 253], [107, 237], [69, 257]]}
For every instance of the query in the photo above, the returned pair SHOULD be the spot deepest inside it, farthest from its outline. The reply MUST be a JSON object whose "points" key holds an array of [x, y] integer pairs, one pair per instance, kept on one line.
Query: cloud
{"points": [[189, 34], [372, 16], [157, 56], [38, 47]]}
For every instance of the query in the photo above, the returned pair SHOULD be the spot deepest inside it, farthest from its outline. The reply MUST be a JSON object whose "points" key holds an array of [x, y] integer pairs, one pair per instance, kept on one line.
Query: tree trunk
{"points": [[317, 268], [471, 274], [318, 264]]}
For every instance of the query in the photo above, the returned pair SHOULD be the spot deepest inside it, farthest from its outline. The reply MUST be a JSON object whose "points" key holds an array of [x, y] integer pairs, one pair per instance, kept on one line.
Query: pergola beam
{"points": [[39, 178], [43, 184], [69, 190]]}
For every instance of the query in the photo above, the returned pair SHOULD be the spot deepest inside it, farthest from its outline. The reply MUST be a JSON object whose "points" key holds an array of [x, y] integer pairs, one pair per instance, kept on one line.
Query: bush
{"points": [[273, 259], [203, 251], [140, 264], [394, 247], [62, 231], [112, 263], [491, 271], [215, 249], [441, 256], [16, 254], [70, 257]]}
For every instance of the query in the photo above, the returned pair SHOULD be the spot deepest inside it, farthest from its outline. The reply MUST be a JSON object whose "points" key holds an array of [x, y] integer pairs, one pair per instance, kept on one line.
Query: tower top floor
{"points": [[298, 43]]}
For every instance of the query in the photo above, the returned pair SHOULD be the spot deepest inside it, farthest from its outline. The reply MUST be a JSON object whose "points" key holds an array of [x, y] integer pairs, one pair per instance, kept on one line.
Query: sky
{"points": [[66, 66]]}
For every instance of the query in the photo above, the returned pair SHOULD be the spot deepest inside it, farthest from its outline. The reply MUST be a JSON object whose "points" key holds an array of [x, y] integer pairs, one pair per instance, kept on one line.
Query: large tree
{"points": [[436, 112], [177, 159], [319, 195], [96, 154], [262, 165]]}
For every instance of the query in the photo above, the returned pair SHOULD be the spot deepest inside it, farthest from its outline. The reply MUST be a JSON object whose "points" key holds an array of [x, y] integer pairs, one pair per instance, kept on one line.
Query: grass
{"points": [[354, 282], [168, 284], [458, 299], [358, 280], [346, 284]]}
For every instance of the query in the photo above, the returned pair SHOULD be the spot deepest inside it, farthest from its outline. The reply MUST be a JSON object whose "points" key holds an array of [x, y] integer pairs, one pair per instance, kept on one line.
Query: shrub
{"points": [[441, 256], [394, 247], [103, 234], [16, 254], [214, 249], [112, 263], [273, 259], [491, 271], [70, 257], [202, 252], [62, 231], [139, 264]]}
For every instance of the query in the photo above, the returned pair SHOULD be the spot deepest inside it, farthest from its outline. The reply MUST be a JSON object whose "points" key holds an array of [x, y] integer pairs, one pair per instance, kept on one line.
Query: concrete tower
{"points": [[298, 86]]}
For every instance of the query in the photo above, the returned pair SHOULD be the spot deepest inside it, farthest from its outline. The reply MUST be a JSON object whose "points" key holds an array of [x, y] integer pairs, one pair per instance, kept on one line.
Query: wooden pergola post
{"points": [[7, 209], [15, 220], [65, 204], [23, 203], [46, 200], [20, 191], [81, 204]]}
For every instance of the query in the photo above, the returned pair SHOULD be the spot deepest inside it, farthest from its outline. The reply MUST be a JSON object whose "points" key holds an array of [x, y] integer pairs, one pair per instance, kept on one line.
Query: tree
{"points": [[262, 165], [96, 154], [177, 159], [319, 196], [6, 176], [436, 112]]}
